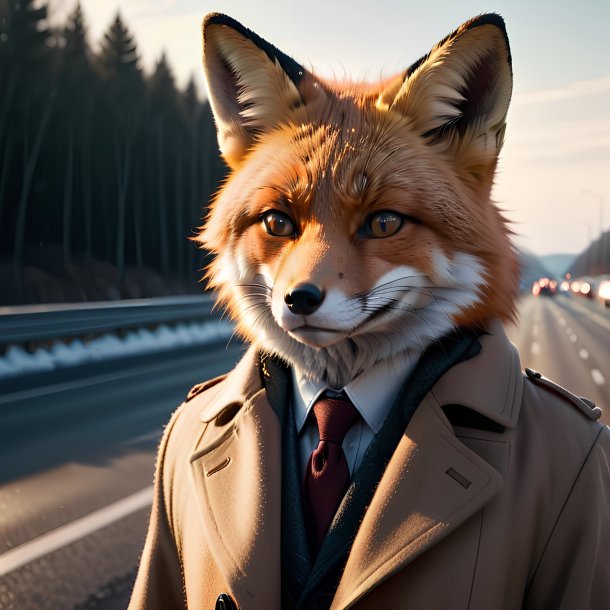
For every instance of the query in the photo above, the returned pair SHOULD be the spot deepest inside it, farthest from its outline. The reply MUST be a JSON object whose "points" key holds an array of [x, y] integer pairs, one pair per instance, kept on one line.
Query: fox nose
{"points": [[303, 299]]}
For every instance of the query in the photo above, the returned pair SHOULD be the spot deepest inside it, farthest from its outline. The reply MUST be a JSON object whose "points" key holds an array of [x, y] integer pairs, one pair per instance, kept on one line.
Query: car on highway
{"points": [[583, 286], [588, 287], [603, 290], [544, 286]]}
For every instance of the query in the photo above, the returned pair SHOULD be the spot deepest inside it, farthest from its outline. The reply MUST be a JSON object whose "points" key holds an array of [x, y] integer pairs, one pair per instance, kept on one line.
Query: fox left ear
{"points": [[458, 94], [252, 86]]}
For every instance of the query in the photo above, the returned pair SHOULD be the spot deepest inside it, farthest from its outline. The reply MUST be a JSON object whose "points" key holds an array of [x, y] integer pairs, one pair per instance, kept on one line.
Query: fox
{"points": [[357, 225], [378, 444]]}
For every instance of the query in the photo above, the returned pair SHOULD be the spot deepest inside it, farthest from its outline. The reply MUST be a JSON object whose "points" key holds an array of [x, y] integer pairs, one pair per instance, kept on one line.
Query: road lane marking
{"points": [[597, 377], [562, 321], [71, 532], [584, 354], [573, 338], [535, 348], [569, 330], [535, 330]]}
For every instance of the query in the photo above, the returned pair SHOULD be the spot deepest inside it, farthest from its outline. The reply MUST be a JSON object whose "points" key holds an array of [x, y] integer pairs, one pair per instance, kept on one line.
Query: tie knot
{"points": [[335, 416]]}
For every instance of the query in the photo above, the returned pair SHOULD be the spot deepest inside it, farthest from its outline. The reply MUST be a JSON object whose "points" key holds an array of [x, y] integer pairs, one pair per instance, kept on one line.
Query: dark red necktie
{"points": [[327, 477]]}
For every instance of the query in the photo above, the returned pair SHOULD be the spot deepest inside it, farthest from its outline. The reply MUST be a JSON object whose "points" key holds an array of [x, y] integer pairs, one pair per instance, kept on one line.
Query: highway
{"points": [[77, 452], [567, 339]]}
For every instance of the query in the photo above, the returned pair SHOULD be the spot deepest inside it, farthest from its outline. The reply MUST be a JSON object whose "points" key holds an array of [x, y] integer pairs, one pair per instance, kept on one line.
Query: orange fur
{"points": [[341, 152]]}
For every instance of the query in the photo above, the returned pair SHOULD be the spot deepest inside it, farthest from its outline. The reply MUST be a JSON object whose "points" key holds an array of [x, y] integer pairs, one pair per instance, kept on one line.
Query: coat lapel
{"points": [[237, 479], [432, 484]]}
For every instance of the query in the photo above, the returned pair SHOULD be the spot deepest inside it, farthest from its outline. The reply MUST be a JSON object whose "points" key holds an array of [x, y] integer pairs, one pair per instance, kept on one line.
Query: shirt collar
{"points": [[372, 392]]}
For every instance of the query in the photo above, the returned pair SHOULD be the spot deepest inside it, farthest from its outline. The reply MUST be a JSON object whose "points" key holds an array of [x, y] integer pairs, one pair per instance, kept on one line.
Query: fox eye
{"points": [[381, 224], [278, 224]]}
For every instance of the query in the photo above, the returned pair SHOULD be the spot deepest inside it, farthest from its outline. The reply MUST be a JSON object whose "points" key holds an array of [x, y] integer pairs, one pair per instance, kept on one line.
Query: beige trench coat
{"points": [[463, 518]]}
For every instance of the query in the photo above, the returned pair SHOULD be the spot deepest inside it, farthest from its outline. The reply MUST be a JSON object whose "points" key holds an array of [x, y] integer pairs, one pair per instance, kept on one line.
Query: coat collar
{"points": [[432, 484], [490, 384], [236, 388]]}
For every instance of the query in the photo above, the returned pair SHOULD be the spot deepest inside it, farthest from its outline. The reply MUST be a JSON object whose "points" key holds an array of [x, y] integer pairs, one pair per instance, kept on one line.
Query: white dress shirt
{"points": [[372, 393]]}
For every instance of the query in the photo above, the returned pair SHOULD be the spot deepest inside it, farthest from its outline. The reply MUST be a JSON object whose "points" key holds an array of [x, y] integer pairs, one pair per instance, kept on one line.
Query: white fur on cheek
{"points": [[463, 271], [228, 269], [336, 312], [243, 264], [266, 272], [234, 267], [421, 309], [458, 284], [405, 283]]}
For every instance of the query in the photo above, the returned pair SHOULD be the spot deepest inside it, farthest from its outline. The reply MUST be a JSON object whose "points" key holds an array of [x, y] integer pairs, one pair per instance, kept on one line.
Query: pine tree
{"points": [[77, 95], [119, 55], [125, 101], [25, 32], [24, 59], [25, 112], [192, 104], [76, 48], [165, 122], [193, 108], [162, 82], [89, 142]]}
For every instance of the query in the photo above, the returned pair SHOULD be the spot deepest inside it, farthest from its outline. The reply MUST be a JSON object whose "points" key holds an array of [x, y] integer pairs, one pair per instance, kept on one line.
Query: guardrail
{"points": [[36, 323]]}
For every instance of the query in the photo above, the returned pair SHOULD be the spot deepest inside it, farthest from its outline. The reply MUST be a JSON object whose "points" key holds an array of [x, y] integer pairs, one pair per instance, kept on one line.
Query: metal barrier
{"points": [[35, 323]]}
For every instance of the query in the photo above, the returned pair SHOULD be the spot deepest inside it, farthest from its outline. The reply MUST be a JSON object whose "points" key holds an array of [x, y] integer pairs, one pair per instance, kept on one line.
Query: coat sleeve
{"points": [[159, 583], [574, 571]]}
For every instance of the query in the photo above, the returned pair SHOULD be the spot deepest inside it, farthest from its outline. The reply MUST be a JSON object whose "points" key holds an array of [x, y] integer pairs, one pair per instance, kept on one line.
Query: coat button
{"points": [[224, 602]]}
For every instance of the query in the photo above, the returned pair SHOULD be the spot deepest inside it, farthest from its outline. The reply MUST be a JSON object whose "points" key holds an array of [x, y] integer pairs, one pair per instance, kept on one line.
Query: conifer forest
{"points": [[105, 171]]}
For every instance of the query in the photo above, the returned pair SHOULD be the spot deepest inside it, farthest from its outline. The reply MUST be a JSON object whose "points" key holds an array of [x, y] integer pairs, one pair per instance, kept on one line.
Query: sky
{"points": [[553, 178]]}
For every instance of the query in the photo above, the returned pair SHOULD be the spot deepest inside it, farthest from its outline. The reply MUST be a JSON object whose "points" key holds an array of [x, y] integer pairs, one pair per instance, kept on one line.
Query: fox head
{"points": [[356, 224]]}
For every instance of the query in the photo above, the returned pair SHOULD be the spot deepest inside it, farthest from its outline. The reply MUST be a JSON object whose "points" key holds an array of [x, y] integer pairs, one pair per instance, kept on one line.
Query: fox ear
{"points": [[458, 94], [252, 85]]}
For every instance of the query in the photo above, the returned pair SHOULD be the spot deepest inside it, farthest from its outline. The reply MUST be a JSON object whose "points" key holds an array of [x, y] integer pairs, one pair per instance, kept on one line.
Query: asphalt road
{"points": [[567, 339], [77, 456], [77, 453]]}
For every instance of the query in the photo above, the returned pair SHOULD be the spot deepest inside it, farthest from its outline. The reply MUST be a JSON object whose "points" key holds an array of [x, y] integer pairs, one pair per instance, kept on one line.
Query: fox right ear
{"points": [[252, 85], [457, 96]]}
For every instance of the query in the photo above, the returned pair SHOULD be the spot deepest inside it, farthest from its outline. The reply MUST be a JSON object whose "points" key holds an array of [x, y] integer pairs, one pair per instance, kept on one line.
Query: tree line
{"points": [[96, 156]]}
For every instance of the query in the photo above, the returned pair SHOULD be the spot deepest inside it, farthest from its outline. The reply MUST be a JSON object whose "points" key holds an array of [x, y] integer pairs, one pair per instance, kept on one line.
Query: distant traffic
{"points": [[595, 288]]}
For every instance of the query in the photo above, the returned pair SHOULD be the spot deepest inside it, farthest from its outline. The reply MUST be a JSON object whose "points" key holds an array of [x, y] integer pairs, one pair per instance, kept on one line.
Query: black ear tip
{"points": [[492, 19], [485, 19], [294, 70], [488, 19], [220, 19]]}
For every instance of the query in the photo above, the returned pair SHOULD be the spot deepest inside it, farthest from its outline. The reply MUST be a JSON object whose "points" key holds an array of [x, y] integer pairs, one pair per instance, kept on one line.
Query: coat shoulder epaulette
{"points": [[203, 386], [584, 405]]}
